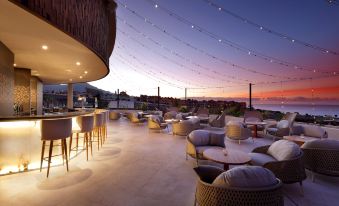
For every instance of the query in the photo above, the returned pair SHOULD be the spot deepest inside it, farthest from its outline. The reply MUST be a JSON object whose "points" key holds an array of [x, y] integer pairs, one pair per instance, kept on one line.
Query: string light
{"points": [[225, 42], [162, 73], [177, 54], [179, 64], [268, 30]]}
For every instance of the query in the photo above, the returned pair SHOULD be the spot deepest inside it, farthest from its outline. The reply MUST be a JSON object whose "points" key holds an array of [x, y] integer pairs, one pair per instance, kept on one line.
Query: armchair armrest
{"points": [[190, 148]]}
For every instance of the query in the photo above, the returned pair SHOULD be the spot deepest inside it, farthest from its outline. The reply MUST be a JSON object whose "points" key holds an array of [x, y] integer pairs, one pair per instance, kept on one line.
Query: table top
{"points": [[301, 139], [233, 157], [255, 123], [172, 120]]}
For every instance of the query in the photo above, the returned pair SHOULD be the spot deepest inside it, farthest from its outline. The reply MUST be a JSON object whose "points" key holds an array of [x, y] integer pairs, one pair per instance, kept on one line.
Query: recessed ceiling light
{"points": [[85, 72], [78, 63], [80, 77], [14, 65], [70, 80], [68, 70], [44, 47]]}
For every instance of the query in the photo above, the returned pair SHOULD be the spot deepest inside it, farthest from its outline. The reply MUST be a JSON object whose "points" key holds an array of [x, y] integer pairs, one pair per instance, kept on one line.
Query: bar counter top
{"points": [[46, 116]]}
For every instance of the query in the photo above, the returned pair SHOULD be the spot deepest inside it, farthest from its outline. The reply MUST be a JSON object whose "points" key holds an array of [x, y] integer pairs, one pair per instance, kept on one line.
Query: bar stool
{"points": [[98, 127], [104, 127], [86, 127], [52, 130]]}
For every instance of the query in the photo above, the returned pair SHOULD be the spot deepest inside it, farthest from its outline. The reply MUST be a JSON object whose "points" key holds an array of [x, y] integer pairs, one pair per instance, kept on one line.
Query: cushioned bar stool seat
{"points": [[86, 127], [52, 130]]}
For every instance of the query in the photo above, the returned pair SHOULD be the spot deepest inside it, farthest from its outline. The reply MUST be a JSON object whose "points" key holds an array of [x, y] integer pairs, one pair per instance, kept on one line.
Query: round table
{"points": [[233, 157], [299, 140], [255, 126]]}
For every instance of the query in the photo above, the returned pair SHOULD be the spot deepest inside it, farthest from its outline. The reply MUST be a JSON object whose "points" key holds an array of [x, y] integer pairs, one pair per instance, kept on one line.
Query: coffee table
{"points": [[233, 157], [255, 126], [299, 140]]}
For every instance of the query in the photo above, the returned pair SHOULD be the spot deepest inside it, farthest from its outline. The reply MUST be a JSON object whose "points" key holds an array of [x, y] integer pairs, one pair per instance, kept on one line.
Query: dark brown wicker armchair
{"points": [[288, 171], [323, 160], [212, 195]]}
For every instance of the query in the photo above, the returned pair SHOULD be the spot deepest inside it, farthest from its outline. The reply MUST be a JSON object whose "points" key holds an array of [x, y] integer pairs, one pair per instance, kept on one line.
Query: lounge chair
{"points": [[237, 131], [243, 185], [283, 158]]}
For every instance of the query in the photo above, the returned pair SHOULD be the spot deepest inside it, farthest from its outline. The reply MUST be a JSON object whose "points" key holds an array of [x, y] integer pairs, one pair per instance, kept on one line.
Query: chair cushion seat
{"points": [[246, 177], [200, 150], [284, 150], [260, 159]]}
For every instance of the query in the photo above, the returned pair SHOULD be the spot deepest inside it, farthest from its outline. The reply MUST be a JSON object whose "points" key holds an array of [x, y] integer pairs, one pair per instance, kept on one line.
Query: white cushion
{"points": [[282, 124], [314, 131], [260, 159], [199, 137], [283, 150], [246, 177]]}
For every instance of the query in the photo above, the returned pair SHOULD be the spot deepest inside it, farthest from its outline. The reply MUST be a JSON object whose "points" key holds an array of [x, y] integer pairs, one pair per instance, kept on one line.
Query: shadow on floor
{"points": [[73, 177]]}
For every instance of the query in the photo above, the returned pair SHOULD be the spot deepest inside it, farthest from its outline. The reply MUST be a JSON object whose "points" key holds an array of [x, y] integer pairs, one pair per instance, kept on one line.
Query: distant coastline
{"points": [[302, 109]]}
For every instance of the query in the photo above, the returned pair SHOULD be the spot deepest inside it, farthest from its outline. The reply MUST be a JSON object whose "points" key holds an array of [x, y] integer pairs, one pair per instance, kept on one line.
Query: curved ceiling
{"points": [[64, 61]]}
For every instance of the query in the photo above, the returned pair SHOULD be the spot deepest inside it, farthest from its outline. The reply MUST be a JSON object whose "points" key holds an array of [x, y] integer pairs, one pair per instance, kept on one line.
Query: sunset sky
{"points": [[216, 49]]}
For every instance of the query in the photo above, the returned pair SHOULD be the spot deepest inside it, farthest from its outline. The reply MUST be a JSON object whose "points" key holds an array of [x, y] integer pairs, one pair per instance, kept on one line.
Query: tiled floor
{"points": [[137, 167]]}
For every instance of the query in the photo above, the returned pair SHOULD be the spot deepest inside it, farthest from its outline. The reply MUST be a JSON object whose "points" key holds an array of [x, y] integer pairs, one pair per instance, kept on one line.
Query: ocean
{"points": [[301, 109]]}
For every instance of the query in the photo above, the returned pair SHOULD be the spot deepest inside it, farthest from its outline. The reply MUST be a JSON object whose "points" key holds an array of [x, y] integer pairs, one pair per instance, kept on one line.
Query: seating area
{"points": [[155, 162]]}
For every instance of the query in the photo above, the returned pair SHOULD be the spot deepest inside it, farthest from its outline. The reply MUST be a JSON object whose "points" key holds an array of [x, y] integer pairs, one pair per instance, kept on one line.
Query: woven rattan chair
{"points": [[288, 171], [211, 195], [218, 121], [237, 131], [320, 158], [156, 122]]}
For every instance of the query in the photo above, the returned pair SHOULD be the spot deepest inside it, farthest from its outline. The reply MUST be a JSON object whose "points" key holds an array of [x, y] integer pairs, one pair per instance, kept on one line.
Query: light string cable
{"points": [[269, 30], [181, 65], [230, 44], [145, 73], [214, 57], [233, 65], [154, 70], [150, 72], [176, 54]]}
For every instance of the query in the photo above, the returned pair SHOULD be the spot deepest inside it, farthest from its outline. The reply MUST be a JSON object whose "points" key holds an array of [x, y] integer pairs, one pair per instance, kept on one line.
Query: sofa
{"points": [[310, 131], [200, 140]]}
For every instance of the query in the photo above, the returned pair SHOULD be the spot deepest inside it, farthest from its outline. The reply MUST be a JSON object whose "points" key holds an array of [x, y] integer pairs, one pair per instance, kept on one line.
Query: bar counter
{"points": [[20, 141]]}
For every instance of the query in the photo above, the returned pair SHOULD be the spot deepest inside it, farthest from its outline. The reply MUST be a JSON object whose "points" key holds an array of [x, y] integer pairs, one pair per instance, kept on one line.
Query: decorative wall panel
{"points": [[92, 22], [22, 87], [6, 80]]}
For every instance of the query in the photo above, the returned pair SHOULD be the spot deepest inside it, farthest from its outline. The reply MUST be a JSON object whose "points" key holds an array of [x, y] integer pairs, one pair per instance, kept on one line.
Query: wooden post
{"points": [[158, 97], [250, 96], [118, 99], [185, 93]]}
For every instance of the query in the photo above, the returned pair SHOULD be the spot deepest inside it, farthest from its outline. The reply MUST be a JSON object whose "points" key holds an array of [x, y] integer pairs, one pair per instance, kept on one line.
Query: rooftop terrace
{"points": [[138, 167]]}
